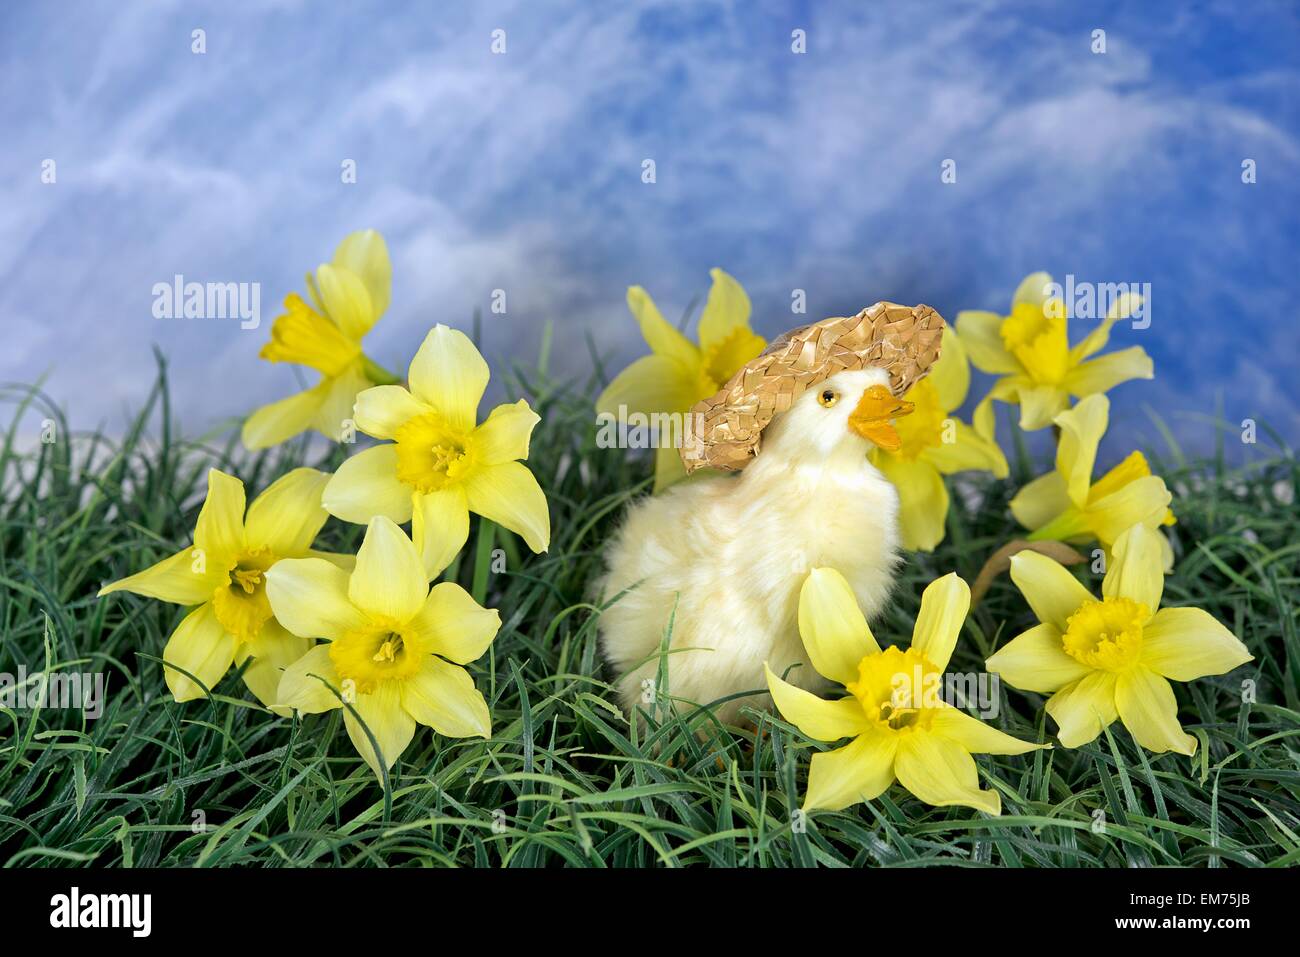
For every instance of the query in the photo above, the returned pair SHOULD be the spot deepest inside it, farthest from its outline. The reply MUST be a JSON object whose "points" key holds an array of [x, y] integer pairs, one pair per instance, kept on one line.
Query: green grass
{"points": [[565, 779]]}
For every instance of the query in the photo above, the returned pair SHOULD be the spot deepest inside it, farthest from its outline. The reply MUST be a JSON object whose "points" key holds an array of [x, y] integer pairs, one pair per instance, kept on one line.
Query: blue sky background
{"points": [[522, 171]]}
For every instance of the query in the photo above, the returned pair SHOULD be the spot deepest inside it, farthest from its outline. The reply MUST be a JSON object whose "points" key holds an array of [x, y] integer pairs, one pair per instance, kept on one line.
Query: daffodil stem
{"points": [[378, 374]]}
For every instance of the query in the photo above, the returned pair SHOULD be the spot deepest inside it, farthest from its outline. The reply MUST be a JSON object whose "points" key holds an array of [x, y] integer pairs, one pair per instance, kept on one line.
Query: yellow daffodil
{"points": [[1031, 349], [224, 574], [1067, 505], [678, 373], [1100, 660], [934, 443], [441, 464], [396, 646], [901, 728], [348, 296]]}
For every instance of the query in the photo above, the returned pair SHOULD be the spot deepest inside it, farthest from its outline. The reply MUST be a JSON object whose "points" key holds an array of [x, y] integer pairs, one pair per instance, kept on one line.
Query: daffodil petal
{"points": [[449, 374], [273, 650], [1041, 500], [1166, 554], [726, 310], [944, 604], [457, 627], [1093, 342], [1147, 706], [1081, 430], [1083, 708], [974, 735], [280, 421], [508, 494], [834, 631], [504, 435], [1105, 372], [942, 773], [1188, 643], [1143, 501], [969, 451], [1033, 289], [1036, 661], [1137, 568], [309, 596], [383, 714], [365, 254], [366, 485], [669, 469], [443, 696], [336, 414], [383, 409], [220, 529], [816, 717], [1040, 404], [980, 333], [651, 384], [661, 337], [1122, 307], [203, 648], [185, 578], [337, 559], [389, 579], [440, 528], [301, 688], [346, 300], [861, 770], [1004, 390], [288, 515], [922, 500], [1052, 592], [950, 376]]}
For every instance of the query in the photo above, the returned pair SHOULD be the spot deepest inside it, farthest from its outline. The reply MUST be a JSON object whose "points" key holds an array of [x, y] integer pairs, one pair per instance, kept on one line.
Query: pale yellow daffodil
{"points": [[442, 463], [395, 648], [901, 728], [935, 443], [1031, 349], [1100, 660], [678, 373], [1067, 505], [348, 295], [224, 575]]}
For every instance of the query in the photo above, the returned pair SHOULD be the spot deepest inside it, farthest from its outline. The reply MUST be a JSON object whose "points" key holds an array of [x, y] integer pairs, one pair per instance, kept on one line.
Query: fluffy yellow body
{"points": [[723, 558]]}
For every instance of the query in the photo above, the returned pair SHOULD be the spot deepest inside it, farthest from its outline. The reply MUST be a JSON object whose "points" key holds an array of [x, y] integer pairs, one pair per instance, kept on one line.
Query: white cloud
{"points": [[522, 172]]}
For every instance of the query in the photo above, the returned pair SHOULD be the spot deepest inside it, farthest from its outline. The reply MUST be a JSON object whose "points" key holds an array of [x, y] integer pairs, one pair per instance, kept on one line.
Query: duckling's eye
{"points": [[828, 398]]}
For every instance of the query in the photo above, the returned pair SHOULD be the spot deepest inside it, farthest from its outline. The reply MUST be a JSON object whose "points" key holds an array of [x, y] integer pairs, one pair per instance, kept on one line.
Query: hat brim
{"points": [[725, 429]]}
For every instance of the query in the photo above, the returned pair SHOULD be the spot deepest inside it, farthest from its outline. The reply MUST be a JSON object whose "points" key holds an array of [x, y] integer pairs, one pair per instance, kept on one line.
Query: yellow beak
{"points": [[871, 419]]}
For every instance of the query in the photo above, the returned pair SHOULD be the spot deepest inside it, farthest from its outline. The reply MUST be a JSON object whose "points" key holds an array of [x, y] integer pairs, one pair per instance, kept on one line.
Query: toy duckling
{"points": [[713, 566]]}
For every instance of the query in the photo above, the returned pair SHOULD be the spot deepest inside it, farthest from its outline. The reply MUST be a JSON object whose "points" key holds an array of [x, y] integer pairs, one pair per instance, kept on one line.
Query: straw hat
{"points": [[726, 427]]}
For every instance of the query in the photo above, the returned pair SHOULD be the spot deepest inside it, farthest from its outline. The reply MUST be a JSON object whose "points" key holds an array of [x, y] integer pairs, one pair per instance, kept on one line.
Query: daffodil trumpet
{"points": [[901, 728], [1113, 658]]}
